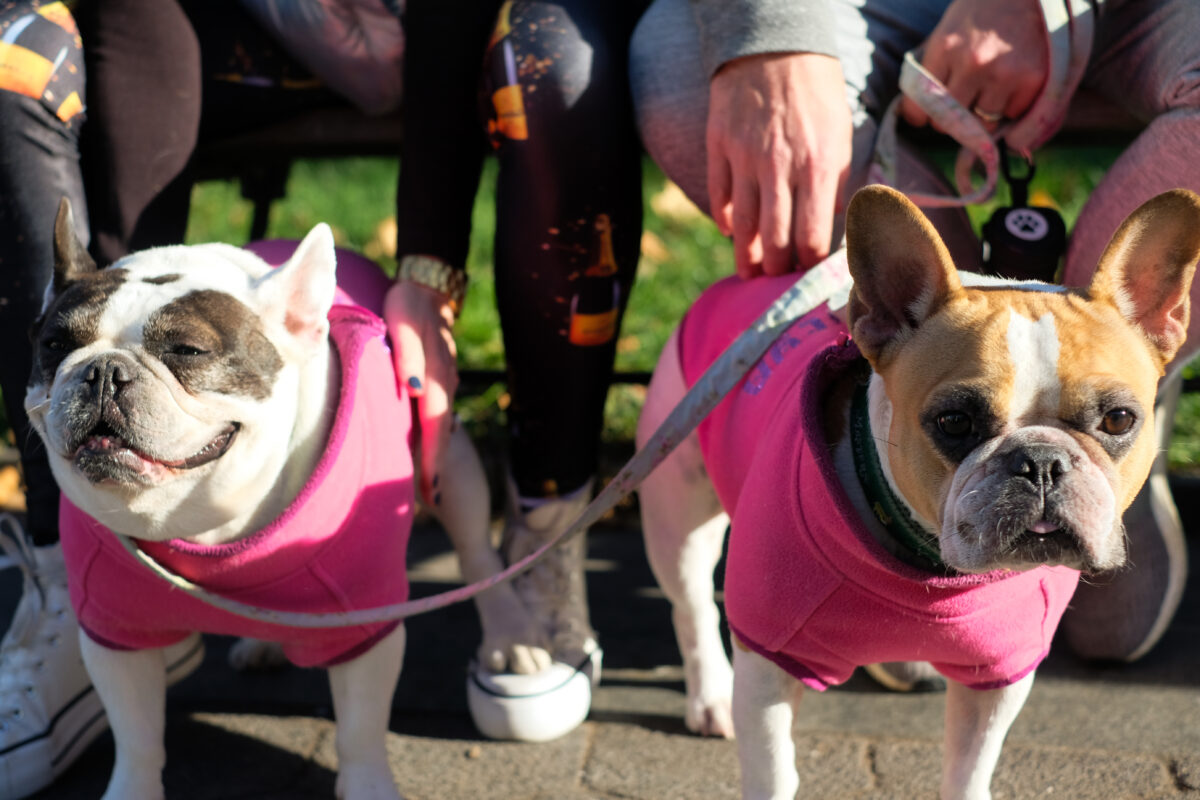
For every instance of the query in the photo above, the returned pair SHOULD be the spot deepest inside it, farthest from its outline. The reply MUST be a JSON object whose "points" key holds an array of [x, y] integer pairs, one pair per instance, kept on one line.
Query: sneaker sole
{"points": [[85, 715]]}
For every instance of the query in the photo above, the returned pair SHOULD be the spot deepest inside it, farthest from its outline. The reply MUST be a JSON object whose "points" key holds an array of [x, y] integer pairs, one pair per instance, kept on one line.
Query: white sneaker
{"points": [[49, 712], [554, 589]]}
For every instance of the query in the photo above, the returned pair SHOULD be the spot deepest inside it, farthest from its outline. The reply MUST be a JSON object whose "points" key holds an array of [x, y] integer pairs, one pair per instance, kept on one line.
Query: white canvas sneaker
{"points": [[49, 712]]}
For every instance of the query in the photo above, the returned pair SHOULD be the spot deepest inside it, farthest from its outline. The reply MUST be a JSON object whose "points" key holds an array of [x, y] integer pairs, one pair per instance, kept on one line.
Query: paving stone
{"points": [[444, 768], [913, 769], [631, 761], [1187, 772]]}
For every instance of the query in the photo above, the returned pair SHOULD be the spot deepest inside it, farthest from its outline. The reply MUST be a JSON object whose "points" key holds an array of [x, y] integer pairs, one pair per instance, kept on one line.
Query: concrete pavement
{"points": [[1115, 732]]}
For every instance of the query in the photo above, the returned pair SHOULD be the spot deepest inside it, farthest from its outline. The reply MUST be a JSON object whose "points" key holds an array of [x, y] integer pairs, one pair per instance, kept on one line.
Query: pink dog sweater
{"points": [[806, 584], [339, 546]]}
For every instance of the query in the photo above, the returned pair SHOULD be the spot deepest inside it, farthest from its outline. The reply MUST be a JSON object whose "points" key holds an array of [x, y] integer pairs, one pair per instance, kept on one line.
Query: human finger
{"points": [[747, 244], [775, 225], [720, 186]]}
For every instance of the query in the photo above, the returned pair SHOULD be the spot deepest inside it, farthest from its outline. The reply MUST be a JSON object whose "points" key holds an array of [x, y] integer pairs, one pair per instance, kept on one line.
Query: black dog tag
{"points": [[1022, 241]]}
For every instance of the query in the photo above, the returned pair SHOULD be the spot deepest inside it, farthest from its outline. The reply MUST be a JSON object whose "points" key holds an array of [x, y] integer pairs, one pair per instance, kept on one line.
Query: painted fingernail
{"points": [[435, 480], [414, 382], [437, 498]]}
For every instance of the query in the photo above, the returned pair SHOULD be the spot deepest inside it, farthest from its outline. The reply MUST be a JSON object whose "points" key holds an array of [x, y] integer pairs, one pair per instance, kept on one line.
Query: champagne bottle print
{"points": [[594, 307]]}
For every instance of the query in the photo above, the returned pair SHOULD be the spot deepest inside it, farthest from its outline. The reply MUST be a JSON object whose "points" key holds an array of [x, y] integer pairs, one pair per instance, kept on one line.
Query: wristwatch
{"points": [[436, 274]]}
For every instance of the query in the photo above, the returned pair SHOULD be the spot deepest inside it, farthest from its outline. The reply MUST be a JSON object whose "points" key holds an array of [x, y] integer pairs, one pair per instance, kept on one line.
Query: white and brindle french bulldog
{"points": [[249, 433], [926, 489]]}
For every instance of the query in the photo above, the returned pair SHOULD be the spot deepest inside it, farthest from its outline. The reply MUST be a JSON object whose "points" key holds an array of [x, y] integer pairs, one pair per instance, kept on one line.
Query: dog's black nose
{"points": [[1040, 464], [108, 374]]}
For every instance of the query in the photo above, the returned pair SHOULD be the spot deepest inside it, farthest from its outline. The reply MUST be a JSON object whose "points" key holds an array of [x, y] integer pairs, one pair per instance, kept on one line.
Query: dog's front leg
{"points": [[764, 705], [976, 724], [362, 704], [684, 530], [132, 685], [512, 642]]}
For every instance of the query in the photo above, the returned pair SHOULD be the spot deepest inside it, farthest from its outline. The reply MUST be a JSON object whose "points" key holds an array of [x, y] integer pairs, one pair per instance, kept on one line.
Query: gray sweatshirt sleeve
{"points": [[730, 29]]}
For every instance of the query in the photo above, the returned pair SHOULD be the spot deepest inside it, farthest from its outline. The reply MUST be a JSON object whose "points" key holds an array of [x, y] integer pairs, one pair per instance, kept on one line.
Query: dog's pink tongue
{"points": [[1042, 526]]}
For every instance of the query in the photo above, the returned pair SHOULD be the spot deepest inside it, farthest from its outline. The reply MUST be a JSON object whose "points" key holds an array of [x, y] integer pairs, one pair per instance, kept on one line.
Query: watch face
{"points": [[1027, 224]]}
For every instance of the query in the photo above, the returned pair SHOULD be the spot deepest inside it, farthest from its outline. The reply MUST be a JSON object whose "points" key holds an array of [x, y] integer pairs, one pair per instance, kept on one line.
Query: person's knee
{"points": [[547, 52], [670, 94]]}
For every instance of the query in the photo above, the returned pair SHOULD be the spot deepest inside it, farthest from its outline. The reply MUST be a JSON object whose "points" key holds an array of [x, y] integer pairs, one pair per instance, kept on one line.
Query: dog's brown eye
{"points": [[954, 423], [1117, 421]]}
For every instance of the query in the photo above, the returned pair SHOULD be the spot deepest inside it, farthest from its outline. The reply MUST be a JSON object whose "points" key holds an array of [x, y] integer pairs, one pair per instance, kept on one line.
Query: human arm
{"points": [[778, 136], [441, 158]]}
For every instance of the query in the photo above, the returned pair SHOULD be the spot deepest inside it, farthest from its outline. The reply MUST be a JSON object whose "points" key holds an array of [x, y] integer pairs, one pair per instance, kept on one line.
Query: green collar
{"points": [[891, 512]]}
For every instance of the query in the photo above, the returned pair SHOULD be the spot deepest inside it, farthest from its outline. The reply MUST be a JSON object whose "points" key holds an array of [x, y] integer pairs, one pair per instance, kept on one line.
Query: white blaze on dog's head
{"points": [[166, 386], [1017, 419], [1034, 350]]}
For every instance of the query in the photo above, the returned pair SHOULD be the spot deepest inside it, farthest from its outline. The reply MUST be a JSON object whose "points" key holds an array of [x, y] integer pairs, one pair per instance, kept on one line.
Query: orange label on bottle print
{"points": [[23, 71], [590, 330], [510, 112]]}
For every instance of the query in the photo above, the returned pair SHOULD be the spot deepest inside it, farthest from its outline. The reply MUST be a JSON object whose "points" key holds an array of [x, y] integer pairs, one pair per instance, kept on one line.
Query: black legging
{"points": [[571, 182]]}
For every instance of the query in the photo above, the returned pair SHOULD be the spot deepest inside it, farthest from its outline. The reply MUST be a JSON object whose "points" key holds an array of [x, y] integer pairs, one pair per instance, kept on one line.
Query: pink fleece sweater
{"points": [[806, 584], [339, 546]]}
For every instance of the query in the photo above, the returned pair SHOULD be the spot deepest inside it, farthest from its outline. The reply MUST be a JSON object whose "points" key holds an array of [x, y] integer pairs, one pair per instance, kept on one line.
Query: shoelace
{"points": [[19, 656]]}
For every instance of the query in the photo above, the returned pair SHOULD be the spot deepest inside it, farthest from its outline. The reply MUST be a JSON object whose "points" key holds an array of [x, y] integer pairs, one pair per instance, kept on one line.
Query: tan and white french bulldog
{"points": [[931, 499], [189, 394]]}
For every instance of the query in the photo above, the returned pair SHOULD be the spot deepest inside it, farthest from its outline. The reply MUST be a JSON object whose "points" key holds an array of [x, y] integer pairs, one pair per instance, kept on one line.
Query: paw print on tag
{"points": [[1027, 224]]}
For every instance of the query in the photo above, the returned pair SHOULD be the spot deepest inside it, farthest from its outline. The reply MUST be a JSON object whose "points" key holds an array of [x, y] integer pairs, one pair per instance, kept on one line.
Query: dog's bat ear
{"points": [[301, 291], [71, 259], [902, 271], [1148, 266]]}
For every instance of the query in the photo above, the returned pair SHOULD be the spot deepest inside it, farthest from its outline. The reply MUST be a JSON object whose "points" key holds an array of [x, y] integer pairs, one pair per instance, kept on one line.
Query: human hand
{"points": [[990, 56], [420, 323], [778, 141]]}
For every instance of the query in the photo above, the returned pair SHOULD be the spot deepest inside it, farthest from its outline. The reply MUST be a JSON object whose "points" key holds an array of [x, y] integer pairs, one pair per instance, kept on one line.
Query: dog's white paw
{"points": [[512, 640], [709, 682], [710, 717], [502, 654], [366, 782], [256, 654]]}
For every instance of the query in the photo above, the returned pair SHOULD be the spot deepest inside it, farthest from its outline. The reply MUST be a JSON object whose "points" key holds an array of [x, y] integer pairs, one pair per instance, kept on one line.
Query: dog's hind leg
{"points": [[132, 685], [684, 529], [976, 723], [764, 705], [362, 691]]}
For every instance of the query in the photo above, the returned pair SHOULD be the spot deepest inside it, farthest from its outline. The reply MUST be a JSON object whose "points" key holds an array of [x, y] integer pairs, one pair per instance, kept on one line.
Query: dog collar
{"points": [[887, 508]]}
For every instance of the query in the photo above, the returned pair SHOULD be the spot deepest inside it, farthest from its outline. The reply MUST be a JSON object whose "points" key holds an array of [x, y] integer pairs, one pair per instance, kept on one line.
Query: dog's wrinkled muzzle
{"points": [[102, 439]]}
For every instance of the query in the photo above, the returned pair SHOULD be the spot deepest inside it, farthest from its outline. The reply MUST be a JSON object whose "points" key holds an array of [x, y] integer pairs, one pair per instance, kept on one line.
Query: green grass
{"points": [[682, 254]]}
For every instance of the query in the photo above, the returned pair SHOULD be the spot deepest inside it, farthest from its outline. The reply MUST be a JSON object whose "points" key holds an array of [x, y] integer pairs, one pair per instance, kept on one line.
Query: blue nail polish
{"points": [[435, 481], [414, 382], [437, 498]]}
